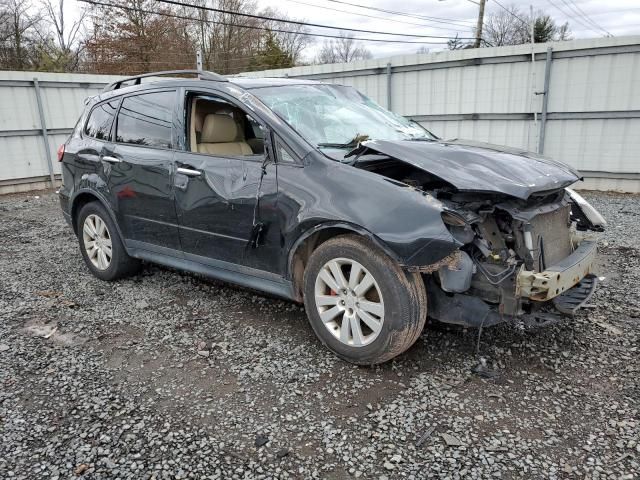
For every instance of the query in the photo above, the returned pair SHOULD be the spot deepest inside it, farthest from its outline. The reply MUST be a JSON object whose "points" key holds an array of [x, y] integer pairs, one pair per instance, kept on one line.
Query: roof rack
{"points": [[202, 75]]}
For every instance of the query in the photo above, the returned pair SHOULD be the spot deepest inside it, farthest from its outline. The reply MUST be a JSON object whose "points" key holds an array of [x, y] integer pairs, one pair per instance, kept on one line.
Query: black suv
{"points": [[313, 192]]}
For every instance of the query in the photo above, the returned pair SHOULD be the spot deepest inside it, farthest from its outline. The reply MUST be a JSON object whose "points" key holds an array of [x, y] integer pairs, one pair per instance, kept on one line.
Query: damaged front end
{"points": [[525, 253], [520, 260]]}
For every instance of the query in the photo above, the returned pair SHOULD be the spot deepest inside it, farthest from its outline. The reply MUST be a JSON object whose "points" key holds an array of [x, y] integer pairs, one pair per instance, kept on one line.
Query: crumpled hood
{"points": [[475, 166]]}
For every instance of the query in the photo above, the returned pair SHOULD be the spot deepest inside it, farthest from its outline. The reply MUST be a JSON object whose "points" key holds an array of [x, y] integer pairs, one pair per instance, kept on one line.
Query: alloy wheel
{"points": [[349, 302], [97, 241]]}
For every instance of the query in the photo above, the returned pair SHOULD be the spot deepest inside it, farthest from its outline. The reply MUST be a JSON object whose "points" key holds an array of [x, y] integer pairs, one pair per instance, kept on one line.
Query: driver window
{"points": [[217, 127]]}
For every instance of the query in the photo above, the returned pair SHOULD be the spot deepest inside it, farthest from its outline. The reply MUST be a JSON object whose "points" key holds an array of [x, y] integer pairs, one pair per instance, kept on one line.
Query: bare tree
{"points": [[148, 35], [61, 45], [291, 43], [231, 44], [457, 44], [142, 37], [503, 27], [18, 34], [343, 49], [201, 27], [563, 32], [510, 26]]}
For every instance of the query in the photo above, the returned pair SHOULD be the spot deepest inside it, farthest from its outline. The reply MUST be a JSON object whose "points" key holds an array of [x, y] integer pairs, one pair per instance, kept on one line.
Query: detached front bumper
{"points": [[559, 278], [558, 291]]}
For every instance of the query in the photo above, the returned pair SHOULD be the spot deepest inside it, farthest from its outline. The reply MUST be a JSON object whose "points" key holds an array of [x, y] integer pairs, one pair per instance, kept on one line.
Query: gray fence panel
{"points": [[24, 158], [494, 95]]}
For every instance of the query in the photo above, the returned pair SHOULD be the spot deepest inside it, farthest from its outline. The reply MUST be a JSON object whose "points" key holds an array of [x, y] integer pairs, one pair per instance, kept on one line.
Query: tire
{"points": [[92, 223], [397, 298]]}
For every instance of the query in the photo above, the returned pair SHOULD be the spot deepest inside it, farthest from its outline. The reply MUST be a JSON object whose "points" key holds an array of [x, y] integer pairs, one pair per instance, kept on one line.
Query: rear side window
{"points": [[100, 120], [146, 120]]}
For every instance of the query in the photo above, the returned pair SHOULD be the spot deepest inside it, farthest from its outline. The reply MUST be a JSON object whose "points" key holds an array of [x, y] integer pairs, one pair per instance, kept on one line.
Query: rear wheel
{"points": [[101, 245], [360, 303]]}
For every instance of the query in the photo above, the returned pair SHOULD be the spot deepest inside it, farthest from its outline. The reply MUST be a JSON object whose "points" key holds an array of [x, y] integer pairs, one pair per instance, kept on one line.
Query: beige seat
{"points": [[220, 137]]}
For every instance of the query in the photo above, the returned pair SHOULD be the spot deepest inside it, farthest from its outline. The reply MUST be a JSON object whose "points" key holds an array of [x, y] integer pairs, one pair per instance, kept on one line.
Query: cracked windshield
{"points": [[330, 116]]}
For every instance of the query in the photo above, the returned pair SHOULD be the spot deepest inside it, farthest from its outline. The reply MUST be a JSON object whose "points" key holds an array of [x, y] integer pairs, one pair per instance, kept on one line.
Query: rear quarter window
{"points": [[146, 119], [100, 119]]}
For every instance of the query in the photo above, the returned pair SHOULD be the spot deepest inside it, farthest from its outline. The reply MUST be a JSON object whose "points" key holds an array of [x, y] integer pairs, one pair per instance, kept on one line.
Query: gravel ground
{"points": [[169, 375]]}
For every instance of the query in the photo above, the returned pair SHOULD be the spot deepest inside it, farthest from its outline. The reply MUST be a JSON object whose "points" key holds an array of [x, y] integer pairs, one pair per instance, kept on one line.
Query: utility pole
{"points": [[479, 25], [533, 29], [533, 73]]}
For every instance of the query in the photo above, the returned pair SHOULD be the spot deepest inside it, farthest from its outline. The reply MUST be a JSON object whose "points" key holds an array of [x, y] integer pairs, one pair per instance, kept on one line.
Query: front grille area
{"points": [[551, 237]]}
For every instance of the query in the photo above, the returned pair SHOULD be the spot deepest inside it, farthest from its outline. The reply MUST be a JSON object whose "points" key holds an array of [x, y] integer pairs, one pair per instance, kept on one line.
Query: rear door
{"points": [[87, 149], [141, 170]]}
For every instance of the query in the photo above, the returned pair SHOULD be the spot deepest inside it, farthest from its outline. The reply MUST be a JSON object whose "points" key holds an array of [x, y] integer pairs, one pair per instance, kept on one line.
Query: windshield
{"points": [[334, 116]]}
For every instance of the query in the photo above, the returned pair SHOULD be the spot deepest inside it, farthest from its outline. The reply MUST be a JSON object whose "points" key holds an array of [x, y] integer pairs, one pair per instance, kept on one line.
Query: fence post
{"points": [[43, 125], [545, 99], [389, 86]]}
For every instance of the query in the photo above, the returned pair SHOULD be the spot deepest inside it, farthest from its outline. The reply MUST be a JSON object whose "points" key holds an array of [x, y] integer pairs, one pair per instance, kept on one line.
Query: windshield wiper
{"points": [[336, 145], [433, 138], [353, 143]]}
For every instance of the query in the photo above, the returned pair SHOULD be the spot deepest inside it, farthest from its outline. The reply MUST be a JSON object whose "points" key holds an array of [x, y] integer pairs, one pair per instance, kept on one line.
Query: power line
{"points": [[609, 12], [404, 22], [176, 58], [573, 16], [405, 14], [510, 12], [297, 22], [581, 12], [254, 27]]}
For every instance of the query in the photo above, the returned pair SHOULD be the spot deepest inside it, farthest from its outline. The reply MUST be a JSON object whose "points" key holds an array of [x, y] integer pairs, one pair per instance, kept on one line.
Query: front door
{"points": [[220, 188], [215, 207], [140, 163]]}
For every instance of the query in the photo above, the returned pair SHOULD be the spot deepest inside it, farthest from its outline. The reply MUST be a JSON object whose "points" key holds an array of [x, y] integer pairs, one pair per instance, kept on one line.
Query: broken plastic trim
{"points": [[587, 209], [452, 218]]}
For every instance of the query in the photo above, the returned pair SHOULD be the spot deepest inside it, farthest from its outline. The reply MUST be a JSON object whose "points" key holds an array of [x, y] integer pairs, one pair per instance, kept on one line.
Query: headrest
{"points": [[218, 129]]}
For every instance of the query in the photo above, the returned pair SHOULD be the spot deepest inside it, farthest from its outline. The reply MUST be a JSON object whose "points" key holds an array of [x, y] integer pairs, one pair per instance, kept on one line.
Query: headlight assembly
{"points": [[586, 210]]}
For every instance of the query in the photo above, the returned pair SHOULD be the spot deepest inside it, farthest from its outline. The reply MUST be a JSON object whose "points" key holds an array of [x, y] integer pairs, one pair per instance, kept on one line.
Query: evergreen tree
{"points": [[271, 55]]}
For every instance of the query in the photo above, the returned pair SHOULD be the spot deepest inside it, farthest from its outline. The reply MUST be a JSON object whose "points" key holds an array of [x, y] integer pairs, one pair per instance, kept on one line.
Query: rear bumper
{"points": [[64, 205], [559, 278]]}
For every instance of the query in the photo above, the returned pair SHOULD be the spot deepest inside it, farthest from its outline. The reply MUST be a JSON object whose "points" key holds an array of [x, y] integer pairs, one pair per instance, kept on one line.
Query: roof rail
{"points": [[202, 75]]}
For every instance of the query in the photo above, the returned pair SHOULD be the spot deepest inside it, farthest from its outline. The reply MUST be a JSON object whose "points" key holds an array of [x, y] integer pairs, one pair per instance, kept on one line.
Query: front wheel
{"points": [[360, 303]]}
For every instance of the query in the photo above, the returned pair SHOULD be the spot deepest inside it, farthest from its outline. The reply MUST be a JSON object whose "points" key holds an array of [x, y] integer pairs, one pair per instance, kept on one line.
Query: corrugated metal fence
{"points": [[37, 113], [579, 103]]}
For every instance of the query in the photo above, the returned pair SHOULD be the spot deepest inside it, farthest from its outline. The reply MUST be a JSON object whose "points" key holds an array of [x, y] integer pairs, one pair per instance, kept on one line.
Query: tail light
{"points": [[60, 152]]}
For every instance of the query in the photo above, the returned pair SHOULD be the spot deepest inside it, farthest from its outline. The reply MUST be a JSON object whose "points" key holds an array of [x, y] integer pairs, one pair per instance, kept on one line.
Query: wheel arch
{"points": [[315, 236], [85, 196]]}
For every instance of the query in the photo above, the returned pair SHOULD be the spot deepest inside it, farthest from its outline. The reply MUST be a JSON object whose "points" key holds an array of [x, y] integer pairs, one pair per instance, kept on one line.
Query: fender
{"points": [[336, 224], [100, 198]]}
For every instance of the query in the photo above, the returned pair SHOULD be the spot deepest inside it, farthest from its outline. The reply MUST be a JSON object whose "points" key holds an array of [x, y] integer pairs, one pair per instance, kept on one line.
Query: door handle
{"points": [[189, 172], [110, 159]]}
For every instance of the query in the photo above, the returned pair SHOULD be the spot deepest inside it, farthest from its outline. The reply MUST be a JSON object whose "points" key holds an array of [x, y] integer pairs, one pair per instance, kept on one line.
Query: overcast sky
{"points": [[449, 17], [618, 17]]}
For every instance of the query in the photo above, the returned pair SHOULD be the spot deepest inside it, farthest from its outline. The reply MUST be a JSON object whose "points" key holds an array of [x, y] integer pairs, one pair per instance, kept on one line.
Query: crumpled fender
{"points": [[405, 222]]}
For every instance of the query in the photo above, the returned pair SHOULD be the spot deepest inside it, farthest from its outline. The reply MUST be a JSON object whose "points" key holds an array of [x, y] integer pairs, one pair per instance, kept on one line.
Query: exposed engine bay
{"points": [[526, 260]]}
